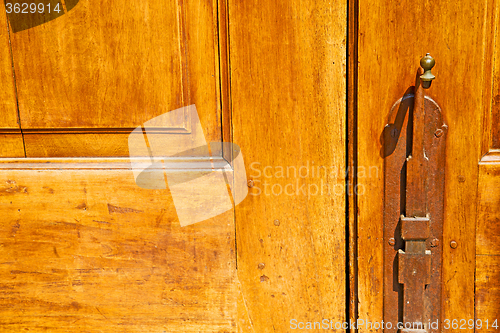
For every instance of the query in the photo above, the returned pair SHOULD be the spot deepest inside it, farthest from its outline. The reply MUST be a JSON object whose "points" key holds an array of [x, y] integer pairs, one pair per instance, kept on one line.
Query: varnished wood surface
{"points": [[492, 128], [11, 141], [115, 65], [288, 95], [487, 287], [488, 227], [393, 36], [90, 251], [8, 109], [488, 292], [11, 144], [487, 242]]}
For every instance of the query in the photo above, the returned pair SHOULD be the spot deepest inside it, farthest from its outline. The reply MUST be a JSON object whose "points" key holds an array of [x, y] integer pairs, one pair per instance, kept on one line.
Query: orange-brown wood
{"points": [[70, 145], [488, 293], [393, 36], [487, 242], [81, 254], [111, 65], [493, 117], [488, 228], [288, 97], [8, 108], [11, 141]]}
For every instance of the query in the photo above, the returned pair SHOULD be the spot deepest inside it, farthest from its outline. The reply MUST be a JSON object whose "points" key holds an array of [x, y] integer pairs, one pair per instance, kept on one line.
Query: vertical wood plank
{"points": [[492, 118], [11, 141], [487, 293], [487, 243], [487, 275], [288, 67]]}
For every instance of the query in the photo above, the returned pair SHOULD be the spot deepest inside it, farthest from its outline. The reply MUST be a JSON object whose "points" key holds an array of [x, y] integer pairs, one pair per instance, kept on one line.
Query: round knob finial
{"points": [[427, 63]]}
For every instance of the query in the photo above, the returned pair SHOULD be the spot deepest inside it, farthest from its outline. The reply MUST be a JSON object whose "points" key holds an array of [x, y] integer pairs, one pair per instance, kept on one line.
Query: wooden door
{"points": [[303, 89], [388, 40], [288, 67], [85, 249]]}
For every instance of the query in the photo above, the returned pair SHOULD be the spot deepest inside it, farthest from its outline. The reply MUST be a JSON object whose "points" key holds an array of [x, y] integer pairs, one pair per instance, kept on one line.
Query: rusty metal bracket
{"points": [[414, 144]]}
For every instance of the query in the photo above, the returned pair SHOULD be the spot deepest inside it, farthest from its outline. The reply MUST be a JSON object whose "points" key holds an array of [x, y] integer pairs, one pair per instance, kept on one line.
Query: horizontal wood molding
{"points": [[169, 163], [493, 156], [82, 130]]}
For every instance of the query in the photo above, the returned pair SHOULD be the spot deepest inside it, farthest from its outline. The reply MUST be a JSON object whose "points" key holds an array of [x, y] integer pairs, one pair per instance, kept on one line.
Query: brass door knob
{"points": [[427, 63]]}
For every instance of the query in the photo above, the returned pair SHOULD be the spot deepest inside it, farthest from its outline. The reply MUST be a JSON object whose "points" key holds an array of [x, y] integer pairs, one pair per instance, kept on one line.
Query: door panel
{"points": [[11, 141], [488, 226], [84, 247], [392, 38], [288, 67], [487, 243], [80, 253], [104, 68]]}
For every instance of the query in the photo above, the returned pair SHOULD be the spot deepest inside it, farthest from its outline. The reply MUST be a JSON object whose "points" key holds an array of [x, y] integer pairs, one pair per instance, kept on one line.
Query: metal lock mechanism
{"points": [[414, 160]]}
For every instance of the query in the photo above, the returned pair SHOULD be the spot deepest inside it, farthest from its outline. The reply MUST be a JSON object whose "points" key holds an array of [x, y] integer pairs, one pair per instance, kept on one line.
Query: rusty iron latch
{"points": [[414, 157]]}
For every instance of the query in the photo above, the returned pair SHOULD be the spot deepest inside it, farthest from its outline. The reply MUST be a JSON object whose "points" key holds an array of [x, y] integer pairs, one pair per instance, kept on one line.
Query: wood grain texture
{"points": [[488, 292], [488, 219], [492, 130], [288, 95], [487, 284], [116, 65], [11, 141], [8, 107], [82, 254], [393, 36], [76, 145], [487, 242], [11, 144]]}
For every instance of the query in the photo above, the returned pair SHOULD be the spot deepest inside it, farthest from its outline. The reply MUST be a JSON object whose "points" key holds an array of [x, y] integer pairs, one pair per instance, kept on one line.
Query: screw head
{"points": [[250, 183], [261, 265], [435, 242], [453, 244], [392, 242], [439, 132], [276, 222]]}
